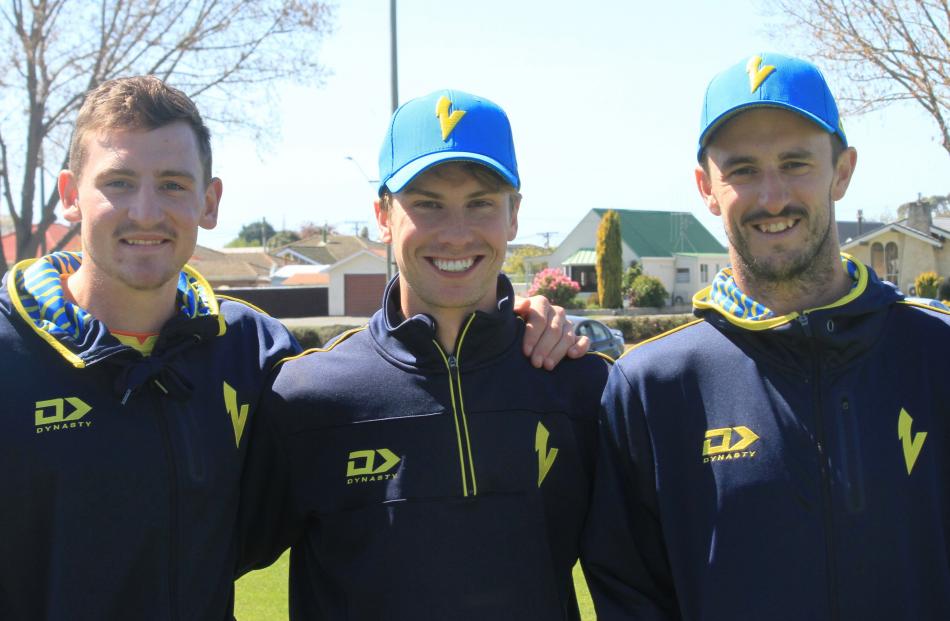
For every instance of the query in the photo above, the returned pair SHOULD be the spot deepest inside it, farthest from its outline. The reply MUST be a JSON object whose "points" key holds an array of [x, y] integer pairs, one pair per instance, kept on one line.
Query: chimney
{"points": [[918, 216]]}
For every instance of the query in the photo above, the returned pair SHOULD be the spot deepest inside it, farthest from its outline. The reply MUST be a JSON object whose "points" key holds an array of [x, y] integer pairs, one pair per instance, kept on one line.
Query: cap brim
{"points": [[728, 114], [410, 171]]}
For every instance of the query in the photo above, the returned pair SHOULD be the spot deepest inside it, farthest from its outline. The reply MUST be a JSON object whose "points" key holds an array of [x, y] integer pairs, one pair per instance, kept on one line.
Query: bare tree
{"points": [[886, 51], [228, 54]]}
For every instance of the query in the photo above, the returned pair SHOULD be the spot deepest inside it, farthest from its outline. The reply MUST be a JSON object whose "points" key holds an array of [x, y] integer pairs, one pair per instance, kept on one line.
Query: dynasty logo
{"points": [[60, 414], [362, 466], [719, 445]]}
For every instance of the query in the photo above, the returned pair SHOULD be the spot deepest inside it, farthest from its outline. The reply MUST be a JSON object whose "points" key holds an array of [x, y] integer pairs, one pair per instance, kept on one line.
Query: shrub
{"points": [[310, 337], [943, 291], [629, 276], [636, 329], [647, 291], [555, 286], [927, 284], [609, 261]]}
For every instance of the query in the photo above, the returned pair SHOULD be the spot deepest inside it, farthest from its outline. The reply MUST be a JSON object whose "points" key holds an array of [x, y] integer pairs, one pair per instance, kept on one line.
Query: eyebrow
{"points": [[162, 174], [428, 194], [793, 154]]}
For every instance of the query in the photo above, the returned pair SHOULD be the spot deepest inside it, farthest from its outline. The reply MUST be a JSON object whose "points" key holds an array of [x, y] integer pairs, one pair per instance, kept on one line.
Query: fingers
{"points": [[579, 348], [554, 342]]}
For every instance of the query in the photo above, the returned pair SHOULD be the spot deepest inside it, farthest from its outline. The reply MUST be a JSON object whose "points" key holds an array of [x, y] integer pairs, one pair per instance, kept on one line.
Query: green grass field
{"points": [[262, 595]]}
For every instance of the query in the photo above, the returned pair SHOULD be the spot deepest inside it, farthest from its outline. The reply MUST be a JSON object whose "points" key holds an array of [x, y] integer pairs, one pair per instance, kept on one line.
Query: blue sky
{"points": [[603, 97]]}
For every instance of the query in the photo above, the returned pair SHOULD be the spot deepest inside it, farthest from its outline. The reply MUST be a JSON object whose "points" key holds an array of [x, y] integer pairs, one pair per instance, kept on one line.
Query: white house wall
{"points": [[584, 235], [363, 263]]}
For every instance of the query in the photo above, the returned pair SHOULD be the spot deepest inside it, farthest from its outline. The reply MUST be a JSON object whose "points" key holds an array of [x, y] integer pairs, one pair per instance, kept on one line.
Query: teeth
{"points": [[776, 227], [453, 265], [143, 242]]}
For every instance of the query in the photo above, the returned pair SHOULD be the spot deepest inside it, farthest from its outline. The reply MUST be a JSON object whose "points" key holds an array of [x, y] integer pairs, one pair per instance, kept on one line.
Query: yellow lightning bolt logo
{"points": [[238, 414], [447, 121], [545, 457], [912, 445], [757, 74]]}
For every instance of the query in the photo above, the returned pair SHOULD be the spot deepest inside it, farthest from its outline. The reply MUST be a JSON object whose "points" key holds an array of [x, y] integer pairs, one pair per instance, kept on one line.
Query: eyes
{"points": [[428, 204], [748, 172], [168, 186]]}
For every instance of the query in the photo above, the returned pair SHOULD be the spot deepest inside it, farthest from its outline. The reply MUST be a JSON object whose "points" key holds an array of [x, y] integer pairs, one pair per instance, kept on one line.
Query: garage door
{"points": [[363, 293]]}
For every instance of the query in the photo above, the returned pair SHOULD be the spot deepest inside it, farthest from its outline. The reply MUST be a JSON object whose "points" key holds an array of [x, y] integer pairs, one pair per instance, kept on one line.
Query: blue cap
{"points": [[771, 80], [446, 126]]}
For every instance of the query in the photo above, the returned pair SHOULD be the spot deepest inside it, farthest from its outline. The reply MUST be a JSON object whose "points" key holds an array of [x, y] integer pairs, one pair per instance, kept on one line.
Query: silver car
{"points": [[603, 339]]}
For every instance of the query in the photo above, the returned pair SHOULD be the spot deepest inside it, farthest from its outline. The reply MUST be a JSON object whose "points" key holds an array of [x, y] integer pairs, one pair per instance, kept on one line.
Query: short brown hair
{"points": [[481, 173], [137, 103]]}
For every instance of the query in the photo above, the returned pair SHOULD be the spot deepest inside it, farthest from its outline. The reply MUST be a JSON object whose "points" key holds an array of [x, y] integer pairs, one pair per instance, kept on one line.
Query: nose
{"points": [[773, 191], [144, 207], [456, 228]]}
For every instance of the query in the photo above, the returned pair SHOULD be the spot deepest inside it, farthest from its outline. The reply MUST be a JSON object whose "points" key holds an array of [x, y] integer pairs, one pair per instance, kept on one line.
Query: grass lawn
{"points": [[262, 595]]}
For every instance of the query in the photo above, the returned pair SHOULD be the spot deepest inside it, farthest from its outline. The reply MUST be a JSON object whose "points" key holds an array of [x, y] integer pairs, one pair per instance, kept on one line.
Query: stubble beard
{"points": [[764, 277]]}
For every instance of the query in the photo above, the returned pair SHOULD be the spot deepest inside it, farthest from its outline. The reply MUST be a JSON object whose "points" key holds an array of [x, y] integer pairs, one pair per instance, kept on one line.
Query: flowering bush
{"points": [[555, 286], [927, 284]]}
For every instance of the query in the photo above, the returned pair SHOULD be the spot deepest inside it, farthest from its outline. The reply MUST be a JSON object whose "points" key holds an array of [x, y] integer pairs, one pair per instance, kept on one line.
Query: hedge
{"points": [[316, 337], [642, 327]]}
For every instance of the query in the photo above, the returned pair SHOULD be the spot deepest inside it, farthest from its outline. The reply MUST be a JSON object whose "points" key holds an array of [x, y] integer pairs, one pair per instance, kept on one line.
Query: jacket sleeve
{"points": [[623, 552], [268, 520]]}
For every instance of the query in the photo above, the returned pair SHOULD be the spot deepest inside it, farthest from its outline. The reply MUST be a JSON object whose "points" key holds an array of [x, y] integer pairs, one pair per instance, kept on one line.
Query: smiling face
{"points": [[141, 196], [769, 174], [449, 232]]}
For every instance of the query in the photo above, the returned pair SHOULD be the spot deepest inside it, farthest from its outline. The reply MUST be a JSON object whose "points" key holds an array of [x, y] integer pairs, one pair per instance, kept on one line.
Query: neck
{"points": [[823, 282], [120, 307]]}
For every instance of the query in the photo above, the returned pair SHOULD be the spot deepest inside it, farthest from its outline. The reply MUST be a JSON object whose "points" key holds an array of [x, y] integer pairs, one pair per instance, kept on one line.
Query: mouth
{"points": [[777, 226], [144, 242], [455, 266]]}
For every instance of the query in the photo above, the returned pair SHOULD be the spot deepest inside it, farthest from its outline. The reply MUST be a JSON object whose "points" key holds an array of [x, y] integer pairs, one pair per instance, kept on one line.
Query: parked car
{"points": [[603, 339]]}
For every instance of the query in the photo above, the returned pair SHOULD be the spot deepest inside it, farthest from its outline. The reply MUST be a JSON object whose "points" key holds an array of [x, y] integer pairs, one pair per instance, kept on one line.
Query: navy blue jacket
{"points": [[795, 468], [112, 511], [426, 485]]}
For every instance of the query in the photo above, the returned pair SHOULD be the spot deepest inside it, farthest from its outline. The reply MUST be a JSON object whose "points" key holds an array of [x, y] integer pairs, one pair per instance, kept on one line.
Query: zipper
{"points": [[172, 518], [823, 466], [466, 463]]}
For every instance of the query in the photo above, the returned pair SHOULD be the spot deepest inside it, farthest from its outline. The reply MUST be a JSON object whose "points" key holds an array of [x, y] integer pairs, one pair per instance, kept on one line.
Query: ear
{"points": [[68, 187], [209, 215], [382, 220], [704, 185], [844, 171], [513, 206]]}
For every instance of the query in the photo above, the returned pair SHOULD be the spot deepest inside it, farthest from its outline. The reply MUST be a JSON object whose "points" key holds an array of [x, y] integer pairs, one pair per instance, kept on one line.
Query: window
{"points": [[704, 273], [890, 261], [877, 258], [682, 274], [585, 276]]}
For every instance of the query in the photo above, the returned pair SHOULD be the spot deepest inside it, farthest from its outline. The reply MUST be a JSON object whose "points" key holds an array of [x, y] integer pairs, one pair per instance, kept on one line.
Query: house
{"points": [[900, 251], [670, 245], [352, 267], [54, 234], [224, 269]]}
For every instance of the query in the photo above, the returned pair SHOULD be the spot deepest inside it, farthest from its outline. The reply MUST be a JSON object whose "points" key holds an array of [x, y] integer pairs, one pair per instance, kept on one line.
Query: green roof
{"points": [[584, 256], [663, 233]]}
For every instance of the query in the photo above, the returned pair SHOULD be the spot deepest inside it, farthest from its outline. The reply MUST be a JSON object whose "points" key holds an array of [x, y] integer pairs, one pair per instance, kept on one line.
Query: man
{"points": [[433, 472], [784, 457], [127, 383]]}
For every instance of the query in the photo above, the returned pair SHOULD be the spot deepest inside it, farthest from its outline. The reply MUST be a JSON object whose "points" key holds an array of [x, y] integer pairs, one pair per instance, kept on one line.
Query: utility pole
{"points": [[547, 237], [394, 92]]}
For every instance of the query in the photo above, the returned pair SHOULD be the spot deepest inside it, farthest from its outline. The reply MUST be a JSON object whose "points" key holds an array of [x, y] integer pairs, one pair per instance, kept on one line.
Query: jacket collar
{"points": [[724, 299], [842, 331], [412, 342], [37, 298]]}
